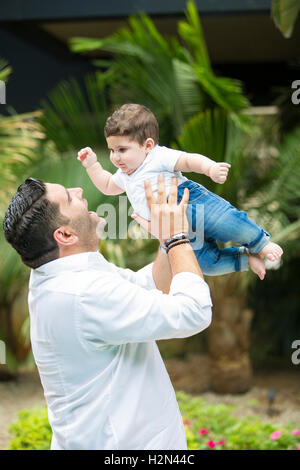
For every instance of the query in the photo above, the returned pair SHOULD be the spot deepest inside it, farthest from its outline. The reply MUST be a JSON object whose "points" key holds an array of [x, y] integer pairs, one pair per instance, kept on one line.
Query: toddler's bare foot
{"points": [[257, 265], [271, 251]]}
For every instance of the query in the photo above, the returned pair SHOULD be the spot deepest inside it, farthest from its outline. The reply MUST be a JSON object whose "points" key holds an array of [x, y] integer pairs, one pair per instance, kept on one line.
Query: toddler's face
{"points": [[125, 153]]}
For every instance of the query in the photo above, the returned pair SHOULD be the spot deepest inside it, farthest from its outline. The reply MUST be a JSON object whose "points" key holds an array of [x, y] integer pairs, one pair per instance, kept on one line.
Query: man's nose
{"points": [[77, 192]]}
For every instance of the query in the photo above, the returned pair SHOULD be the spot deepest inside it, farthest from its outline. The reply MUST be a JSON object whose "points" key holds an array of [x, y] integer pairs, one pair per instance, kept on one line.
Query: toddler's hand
{"points": [[218, 172], [87, 157]]}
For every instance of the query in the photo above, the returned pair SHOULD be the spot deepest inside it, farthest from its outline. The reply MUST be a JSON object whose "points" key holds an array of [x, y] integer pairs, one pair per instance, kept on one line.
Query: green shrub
{"points": [[216, 427], [31, 431], [207, 427]]}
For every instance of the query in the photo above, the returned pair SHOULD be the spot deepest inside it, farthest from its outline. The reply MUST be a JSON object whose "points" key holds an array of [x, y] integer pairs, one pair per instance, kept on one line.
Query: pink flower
{"points": [[298, 448], [220, 443], [275, 435], [203, 431], [187, 423], [296, 432], [211, 444]]}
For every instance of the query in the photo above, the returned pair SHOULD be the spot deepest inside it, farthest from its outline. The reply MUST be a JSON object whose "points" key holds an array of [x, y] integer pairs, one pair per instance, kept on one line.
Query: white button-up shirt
{"points": [[93, 331]]}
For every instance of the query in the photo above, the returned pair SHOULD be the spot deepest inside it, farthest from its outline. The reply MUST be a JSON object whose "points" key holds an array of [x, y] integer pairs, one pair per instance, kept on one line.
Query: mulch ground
{"points": [[190, 375]]}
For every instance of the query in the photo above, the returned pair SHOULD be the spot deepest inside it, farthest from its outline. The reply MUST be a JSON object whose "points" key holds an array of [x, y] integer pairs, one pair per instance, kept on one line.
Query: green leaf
{"points": [[284, 13], [175, 81], [5, 70], [192, 33], [199, 133], [74, 116], [20, 137]]}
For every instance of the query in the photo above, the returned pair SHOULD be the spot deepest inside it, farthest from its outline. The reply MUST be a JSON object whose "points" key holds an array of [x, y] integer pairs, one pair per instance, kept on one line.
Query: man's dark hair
{"points": [[29, 223]]}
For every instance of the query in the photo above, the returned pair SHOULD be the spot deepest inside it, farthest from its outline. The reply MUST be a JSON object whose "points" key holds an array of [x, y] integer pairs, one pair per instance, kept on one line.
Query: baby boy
{"points": [[132, 137]]}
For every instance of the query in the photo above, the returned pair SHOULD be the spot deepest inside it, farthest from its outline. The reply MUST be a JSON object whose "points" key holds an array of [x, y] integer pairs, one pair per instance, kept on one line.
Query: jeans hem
{"points": [[242, 263], [258, 245]]}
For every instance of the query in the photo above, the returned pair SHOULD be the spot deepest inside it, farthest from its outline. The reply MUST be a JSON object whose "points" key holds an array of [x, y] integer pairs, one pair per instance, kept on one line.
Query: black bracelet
{"points": [[181, 242], [175, 238]]}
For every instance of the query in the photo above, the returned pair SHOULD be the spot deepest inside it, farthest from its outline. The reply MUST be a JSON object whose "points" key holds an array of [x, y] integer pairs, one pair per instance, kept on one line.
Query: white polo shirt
{"points": [[161, 160], [93, 331]]}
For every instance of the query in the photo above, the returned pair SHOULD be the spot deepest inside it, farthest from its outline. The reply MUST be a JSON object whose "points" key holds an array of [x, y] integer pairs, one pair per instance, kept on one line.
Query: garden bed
{"points": [[190, 376]]}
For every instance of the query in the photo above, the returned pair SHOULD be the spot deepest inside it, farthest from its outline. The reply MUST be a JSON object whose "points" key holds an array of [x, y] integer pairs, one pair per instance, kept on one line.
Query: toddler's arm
{"points": [[194, 162], [101, 178]]}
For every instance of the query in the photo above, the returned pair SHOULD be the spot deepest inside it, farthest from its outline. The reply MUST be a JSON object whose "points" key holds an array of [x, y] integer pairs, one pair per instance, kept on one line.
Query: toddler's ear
{"points": [[149, 144]]}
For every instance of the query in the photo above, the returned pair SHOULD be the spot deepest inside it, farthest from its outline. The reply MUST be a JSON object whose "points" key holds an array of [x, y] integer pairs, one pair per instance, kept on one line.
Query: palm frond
{"points": [[226, 92], [74, 116], [285, 178], [198, 134], [164, 75], [192, 33], [5, 70], [20, 137], [277, 205], [284, 14], [175, 81]]}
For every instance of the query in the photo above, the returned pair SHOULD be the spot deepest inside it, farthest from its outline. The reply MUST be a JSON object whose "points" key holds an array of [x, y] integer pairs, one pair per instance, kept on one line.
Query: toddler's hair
{"points": [[134, 121]]}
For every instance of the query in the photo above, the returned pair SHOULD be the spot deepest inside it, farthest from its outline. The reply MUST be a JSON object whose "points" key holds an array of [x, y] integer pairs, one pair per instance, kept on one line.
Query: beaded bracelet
{"points": [[175, 238], [181, 242]]}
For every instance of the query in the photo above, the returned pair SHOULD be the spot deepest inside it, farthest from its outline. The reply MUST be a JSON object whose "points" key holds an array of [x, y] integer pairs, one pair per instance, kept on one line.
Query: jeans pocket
{"points": [[197, 195], [196, 191]]}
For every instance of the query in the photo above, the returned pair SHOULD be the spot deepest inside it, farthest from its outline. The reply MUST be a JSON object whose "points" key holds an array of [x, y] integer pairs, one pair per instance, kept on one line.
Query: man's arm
{"points": [[114, 311], [161, 272], [155, 275], [197, 163], [130, 313]]}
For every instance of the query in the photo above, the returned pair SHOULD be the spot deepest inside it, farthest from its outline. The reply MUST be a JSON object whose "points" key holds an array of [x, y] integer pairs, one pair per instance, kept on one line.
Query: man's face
{"points": [[87, 225], [125, 153]]}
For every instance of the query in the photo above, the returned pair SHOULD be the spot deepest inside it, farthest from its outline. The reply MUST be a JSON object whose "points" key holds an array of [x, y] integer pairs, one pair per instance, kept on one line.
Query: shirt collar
{"points": [[76, 262]]}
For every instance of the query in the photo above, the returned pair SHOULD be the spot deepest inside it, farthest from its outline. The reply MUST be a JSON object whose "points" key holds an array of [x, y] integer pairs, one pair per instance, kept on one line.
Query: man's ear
{"points": [[65, 236], [149, 144]]}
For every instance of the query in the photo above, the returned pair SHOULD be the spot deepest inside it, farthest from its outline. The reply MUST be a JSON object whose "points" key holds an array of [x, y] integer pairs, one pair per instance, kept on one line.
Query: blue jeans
{"points": [[211, 218]]}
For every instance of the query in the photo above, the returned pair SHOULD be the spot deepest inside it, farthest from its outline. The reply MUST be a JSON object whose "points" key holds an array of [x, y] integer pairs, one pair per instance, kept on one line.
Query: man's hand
{"points": [[167, 218], [87, 157], [218, 172]]}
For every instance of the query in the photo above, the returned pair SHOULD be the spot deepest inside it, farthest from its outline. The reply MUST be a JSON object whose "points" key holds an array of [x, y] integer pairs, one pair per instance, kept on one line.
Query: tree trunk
{"points": [[229, 334]]}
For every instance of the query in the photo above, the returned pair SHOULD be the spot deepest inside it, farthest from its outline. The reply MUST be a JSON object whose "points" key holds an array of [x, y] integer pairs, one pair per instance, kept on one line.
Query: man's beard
{"points": [[86, 229]]}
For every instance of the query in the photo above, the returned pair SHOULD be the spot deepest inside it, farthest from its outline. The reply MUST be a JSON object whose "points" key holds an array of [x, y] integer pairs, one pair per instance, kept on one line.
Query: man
{"points": [[94, 326]]}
